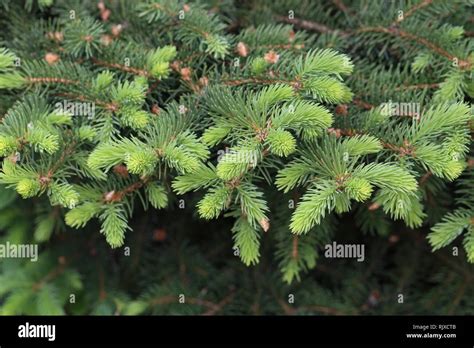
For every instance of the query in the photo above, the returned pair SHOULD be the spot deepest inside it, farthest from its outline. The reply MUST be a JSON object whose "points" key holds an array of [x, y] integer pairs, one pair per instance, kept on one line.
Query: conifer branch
{"points": [[236, 82], [117, 196], [281, 46], [219, 306], [417, 86], [294, 252], [412, 10], [108, 106], [169, 299], [362, 104], [406, 149], [68, 151], [463, 64], [58, 80], [128, 69], [54, 273], [425, 178], [340, 5], [229, 114], [305, 24], [392, 30]]}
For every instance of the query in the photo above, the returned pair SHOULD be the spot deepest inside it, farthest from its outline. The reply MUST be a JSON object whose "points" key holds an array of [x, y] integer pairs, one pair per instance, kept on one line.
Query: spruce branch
{"points": [[118, 196], [128, 69], [393, 31], [51, 80], [305, 24], [412, 10], [340, 5]]}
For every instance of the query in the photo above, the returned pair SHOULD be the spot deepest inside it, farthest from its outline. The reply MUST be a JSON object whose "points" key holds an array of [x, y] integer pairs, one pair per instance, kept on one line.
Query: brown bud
{"points": [[265, 224], [116, 29], [101, 6], [109, 196], [62, 260], [88, 38], [186, 8], [175, 65], [105, 15], [155, 109], [335, 131], [44, 180], [185, 74], [394, 238], [55, 35], [271, 57], [58, 36], [51, 58], [470, 162], [297, 86], [374, 206], [204, 81], [159, 234], [121, 170], [341, 109], [106, 39], [242, 49]]}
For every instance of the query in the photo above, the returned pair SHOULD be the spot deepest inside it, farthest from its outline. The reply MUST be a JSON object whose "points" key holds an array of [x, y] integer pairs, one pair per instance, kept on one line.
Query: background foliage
{"points": [[149, 199]]}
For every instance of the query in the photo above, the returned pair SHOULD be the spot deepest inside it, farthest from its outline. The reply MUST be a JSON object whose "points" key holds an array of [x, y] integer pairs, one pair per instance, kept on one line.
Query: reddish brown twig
{"points": [[68, 151], [294, 252], [463, 64], [425, 178], [52, 80], [219, 306], [304, 24], [169, 299], [55, 272], [363, 104], [282, 46], [295, 84], [108, 106], [129, 69], [340, 5], [417, 86], [406, 149], [412, 10], [117, 196]]}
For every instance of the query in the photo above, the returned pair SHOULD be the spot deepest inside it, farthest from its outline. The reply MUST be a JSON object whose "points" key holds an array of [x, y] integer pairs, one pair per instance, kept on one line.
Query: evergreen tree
{"points": [[198, 158]]}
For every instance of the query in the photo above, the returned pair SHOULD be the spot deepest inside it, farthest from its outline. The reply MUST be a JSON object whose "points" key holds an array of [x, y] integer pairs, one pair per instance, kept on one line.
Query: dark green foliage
{"points": [[197, 158]]}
